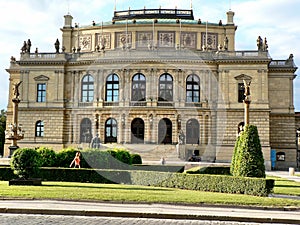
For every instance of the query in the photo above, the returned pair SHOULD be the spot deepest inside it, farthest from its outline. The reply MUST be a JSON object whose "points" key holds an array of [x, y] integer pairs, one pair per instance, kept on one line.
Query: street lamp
{"points": [[297, 147]]}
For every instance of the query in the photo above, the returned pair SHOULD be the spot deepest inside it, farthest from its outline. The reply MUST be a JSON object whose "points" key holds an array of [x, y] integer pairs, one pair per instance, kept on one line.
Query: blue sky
{"points": [[41, 20]]}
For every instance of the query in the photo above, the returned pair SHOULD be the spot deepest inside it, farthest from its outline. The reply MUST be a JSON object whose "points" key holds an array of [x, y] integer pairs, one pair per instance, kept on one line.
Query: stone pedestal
{"points": [[12, 149]]}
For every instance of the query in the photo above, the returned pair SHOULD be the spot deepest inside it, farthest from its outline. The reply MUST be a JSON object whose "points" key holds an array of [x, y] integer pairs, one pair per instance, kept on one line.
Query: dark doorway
{"points": [[85, 130], [165, 131], [137, 131], [111, 131], [192, 132]]}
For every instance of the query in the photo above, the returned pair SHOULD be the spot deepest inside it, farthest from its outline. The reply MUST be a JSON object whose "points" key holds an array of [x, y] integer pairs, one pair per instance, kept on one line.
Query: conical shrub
{"points": [[248, 160]]}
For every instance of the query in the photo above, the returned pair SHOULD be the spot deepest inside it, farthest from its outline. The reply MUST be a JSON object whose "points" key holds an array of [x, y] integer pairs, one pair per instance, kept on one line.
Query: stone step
{"points": [[151, 152], [4, 161]]}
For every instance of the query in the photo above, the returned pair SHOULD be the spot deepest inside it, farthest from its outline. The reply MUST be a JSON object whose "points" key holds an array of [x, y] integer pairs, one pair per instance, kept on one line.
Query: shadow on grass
{"points": [[287, 186], [118, 187]]}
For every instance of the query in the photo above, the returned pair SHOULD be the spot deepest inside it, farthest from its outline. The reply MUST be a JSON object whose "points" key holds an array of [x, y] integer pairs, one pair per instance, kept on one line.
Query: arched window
{"points": [[87, 88], [85, 131], [111, 130], [138, 87], [192, 88], [192, 134], [39, 129], [165, 88], [112, 88]]}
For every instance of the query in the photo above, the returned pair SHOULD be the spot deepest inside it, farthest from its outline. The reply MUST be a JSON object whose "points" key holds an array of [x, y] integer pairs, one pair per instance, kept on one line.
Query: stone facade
{"points": [[144, 80]]}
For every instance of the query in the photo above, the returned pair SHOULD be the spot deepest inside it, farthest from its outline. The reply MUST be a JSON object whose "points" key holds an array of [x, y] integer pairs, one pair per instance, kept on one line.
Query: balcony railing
{"points": [[138, 103], [111, 104], [144, 54], [165, 104], [85, 104]]}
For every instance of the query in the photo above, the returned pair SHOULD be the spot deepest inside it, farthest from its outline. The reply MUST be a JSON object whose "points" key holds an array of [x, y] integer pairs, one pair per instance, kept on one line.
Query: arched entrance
{"points": [[111, 130], [137, 131], [192, 132], [165, 131], [85, 130]]}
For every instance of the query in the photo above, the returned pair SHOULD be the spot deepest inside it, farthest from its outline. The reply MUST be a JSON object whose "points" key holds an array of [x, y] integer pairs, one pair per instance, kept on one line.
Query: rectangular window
{"points": [[41, 92], [241, 92]]}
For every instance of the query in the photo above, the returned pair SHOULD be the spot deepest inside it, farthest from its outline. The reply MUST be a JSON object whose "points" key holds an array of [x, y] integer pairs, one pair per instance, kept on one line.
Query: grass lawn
{"points": [[286, 187], [131, 193]]}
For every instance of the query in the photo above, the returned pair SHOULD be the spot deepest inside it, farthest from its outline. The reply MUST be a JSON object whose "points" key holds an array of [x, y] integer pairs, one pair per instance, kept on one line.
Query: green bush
{"points": [[25, 162], [248, 158], [65, 157], [48, 156], [136, 159], [90, 158], [121, 154], [95, 158]]}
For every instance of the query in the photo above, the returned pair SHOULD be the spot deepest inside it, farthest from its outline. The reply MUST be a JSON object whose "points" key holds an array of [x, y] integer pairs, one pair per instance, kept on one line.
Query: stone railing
{"points": [[42, 56], [144, 54], [282, 63]]}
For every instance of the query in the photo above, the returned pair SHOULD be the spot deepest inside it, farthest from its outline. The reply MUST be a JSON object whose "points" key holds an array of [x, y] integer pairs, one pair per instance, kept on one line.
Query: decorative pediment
{"points": [[243, 77], [41, 78]]}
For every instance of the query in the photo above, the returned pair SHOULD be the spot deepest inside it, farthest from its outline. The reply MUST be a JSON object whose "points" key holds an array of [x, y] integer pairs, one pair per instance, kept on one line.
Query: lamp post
{"points": [[15, 131], [297, 148], [247, 102]]}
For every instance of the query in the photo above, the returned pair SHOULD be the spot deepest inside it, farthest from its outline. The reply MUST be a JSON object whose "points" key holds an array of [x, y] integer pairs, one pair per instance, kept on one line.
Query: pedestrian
{"points": [[76, 161], [162, 161]]}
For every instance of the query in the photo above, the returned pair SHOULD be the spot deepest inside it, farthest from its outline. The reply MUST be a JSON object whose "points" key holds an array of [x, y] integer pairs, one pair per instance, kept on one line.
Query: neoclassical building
{"points": [[155, 77]]}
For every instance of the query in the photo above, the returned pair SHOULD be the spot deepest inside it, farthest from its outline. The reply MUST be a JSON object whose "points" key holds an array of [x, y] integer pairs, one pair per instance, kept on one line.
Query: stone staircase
{"points": [[152, 152], [4, 161]]}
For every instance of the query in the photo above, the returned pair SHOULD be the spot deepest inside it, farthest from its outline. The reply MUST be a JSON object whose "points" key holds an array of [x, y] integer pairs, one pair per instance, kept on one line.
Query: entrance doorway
{"points": [[111, 131], [137, 131], [165, 131]]}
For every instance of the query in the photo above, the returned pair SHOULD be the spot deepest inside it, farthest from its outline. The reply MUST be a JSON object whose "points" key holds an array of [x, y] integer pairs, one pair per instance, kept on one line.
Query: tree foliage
{"points": [[247, 160], [48, 156], [2, 130], [25, 162]]}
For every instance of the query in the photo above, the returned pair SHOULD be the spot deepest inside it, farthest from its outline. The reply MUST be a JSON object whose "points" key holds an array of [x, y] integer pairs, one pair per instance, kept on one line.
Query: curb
{"points": [[147, 215]]}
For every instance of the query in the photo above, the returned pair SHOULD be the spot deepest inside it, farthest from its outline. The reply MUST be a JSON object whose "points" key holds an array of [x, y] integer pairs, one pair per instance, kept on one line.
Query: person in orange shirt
{"points": [[76, 161]]}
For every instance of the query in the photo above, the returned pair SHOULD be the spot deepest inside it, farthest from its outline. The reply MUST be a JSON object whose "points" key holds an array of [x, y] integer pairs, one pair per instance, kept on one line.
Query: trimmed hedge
{"points": [[217, 170], [6, 173], [200, 182]]}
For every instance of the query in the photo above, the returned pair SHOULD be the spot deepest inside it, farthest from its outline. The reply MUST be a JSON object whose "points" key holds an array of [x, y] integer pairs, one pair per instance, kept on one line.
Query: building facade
{"points": [[155, 77]]}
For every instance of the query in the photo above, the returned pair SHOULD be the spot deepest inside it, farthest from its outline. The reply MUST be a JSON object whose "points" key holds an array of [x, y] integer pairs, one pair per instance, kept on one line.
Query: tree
{"points": [[2, 130], [248, 160]]}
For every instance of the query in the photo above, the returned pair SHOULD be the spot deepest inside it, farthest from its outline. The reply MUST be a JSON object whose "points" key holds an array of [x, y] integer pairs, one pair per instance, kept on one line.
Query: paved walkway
{"points": [[284, 174], [158, 211]]}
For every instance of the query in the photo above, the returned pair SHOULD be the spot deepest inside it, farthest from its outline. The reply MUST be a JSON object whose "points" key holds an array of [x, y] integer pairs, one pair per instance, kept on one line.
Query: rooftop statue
{"points": [[56, 45], [259, 42]]}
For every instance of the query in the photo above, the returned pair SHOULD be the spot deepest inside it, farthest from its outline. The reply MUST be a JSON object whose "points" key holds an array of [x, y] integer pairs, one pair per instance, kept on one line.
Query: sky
{"points": [[41, 20]]}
